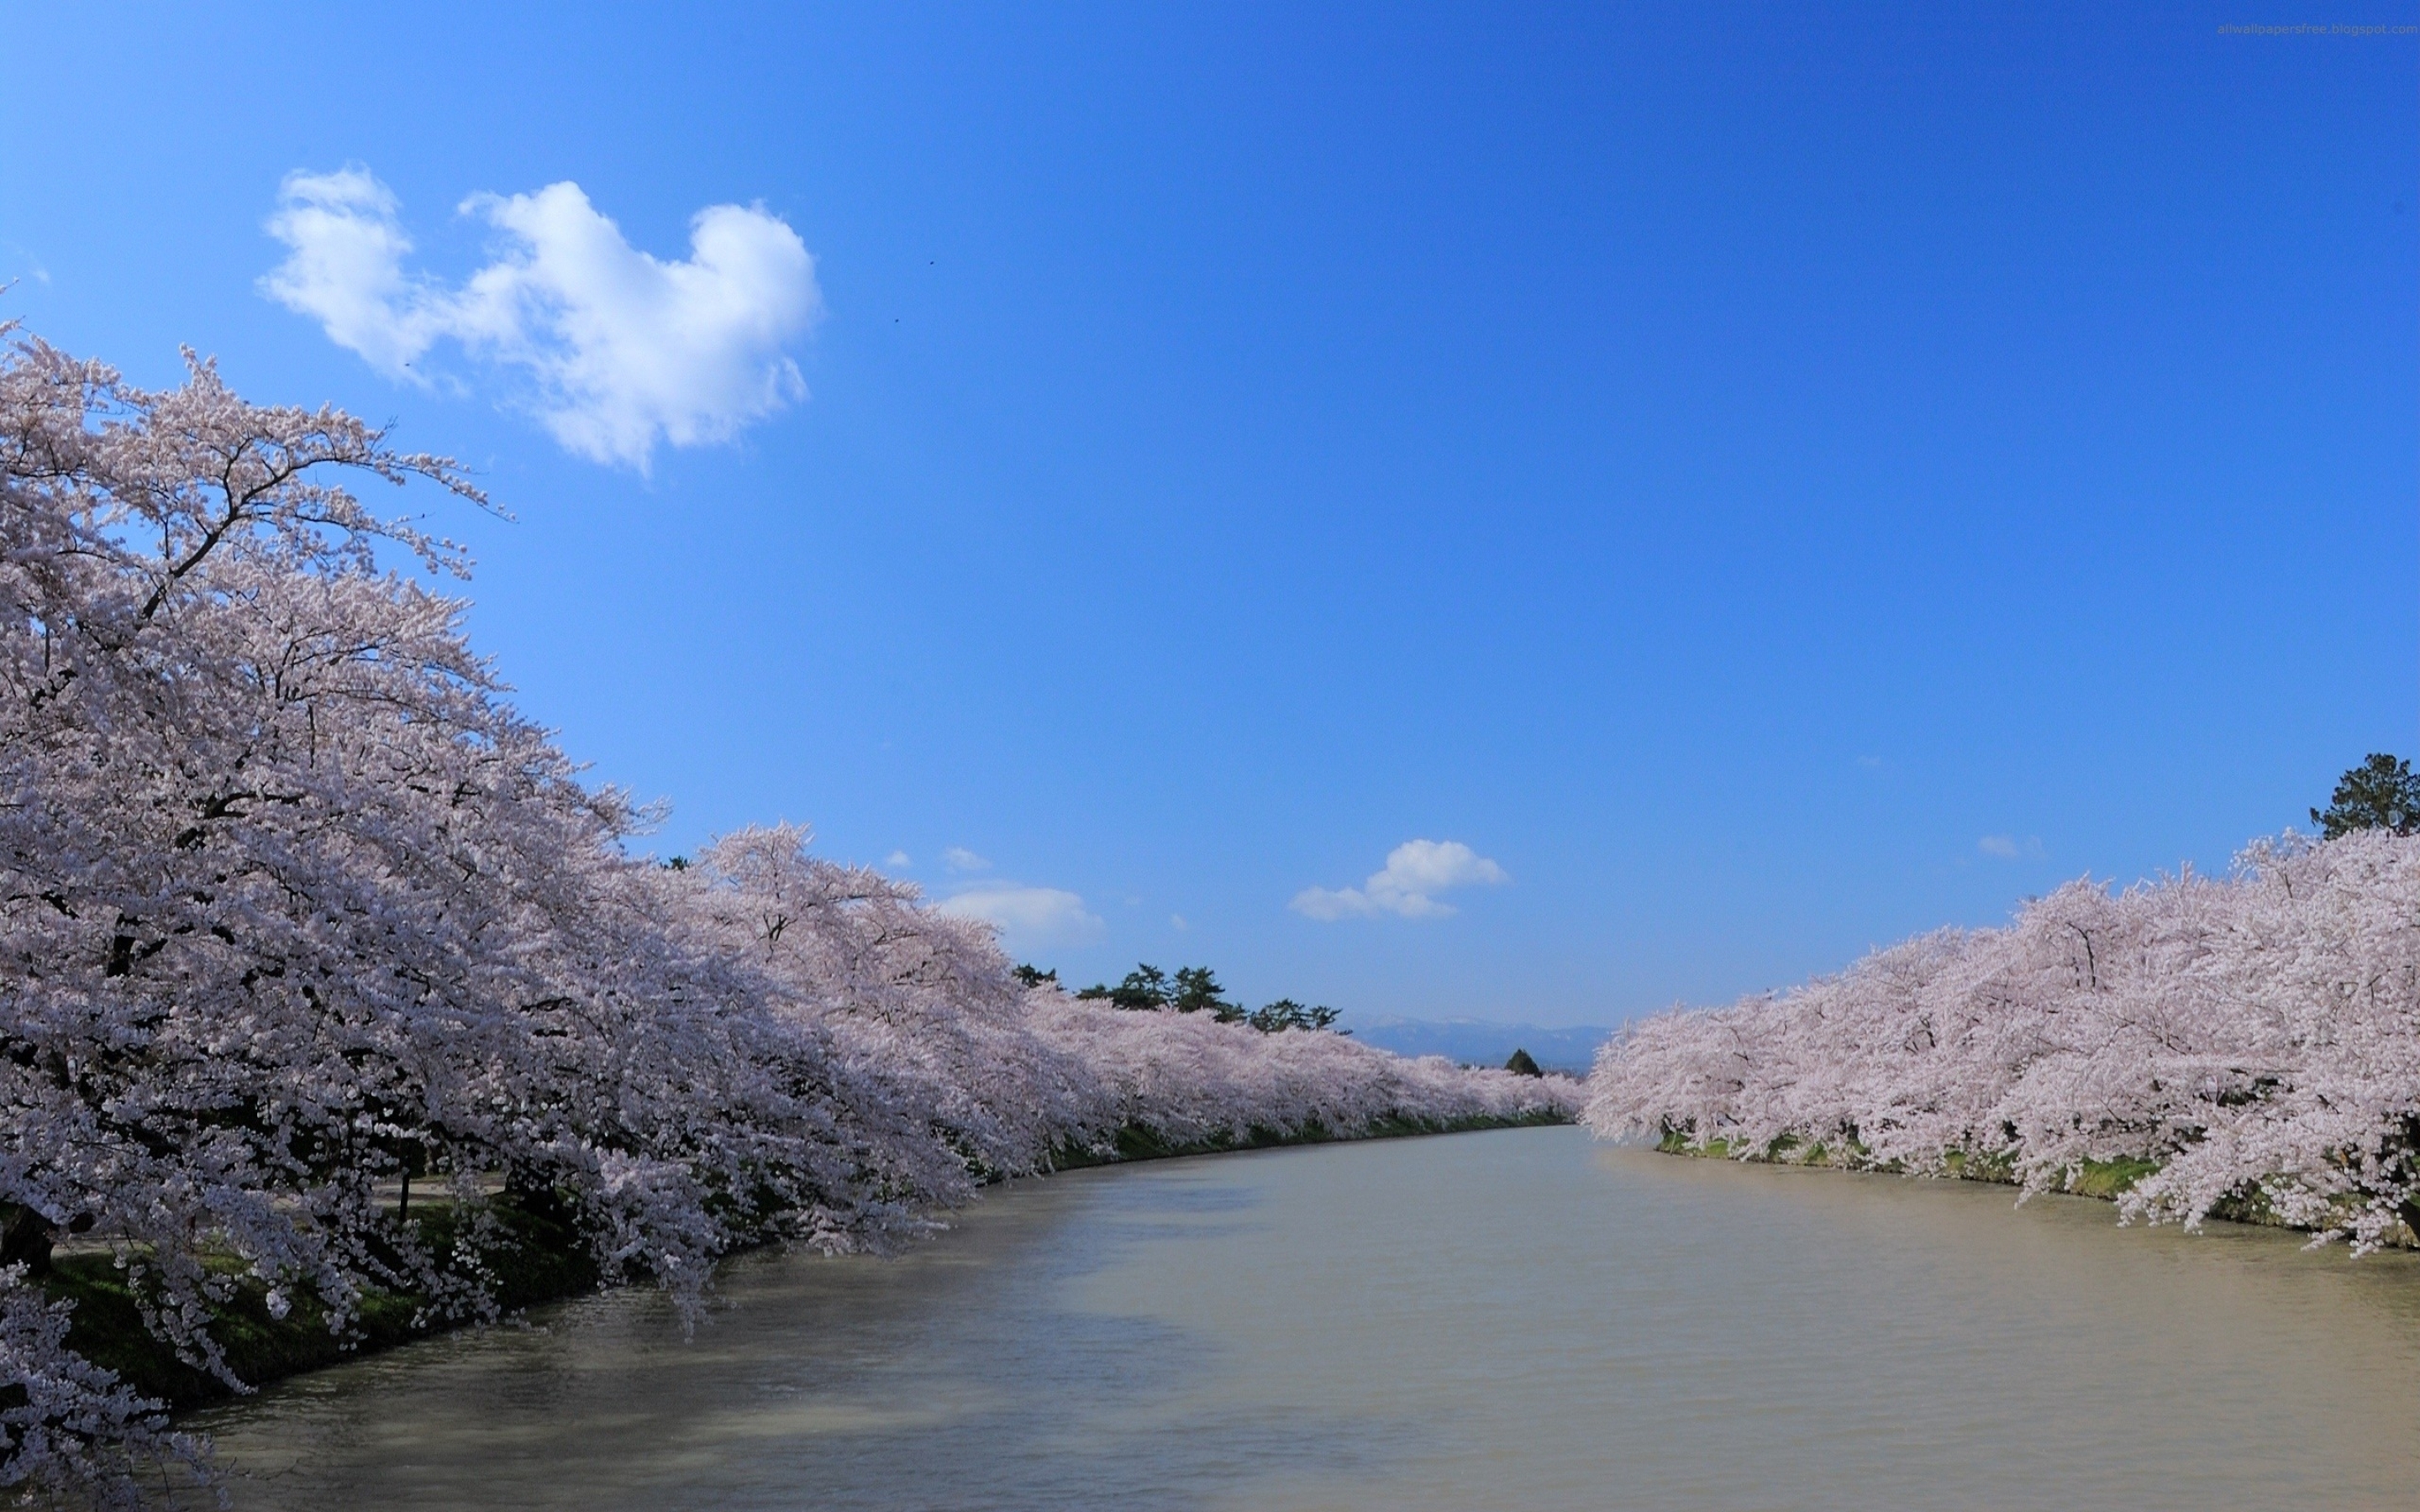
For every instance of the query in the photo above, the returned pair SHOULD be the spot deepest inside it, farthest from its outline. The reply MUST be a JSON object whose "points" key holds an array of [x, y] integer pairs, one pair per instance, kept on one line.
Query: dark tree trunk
{"points": [[539, 1197], [26, 1238]]}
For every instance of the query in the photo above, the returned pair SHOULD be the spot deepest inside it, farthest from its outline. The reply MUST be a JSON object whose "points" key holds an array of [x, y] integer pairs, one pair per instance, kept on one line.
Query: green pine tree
{"points": [[2380, 794]]}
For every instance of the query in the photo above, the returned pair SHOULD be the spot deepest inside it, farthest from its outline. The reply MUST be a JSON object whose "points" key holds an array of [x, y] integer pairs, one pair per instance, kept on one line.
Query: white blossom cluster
{"points": [[2256, 1037], [293, 902]]}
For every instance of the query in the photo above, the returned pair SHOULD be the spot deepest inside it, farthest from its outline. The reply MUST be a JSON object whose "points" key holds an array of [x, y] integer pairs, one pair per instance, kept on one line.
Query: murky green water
{"points": [[1519, 1320]]}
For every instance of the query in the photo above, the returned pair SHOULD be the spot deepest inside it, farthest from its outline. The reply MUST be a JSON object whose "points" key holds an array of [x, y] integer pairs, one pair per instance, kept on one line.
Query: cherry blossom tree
{"points": [[291, 896]]}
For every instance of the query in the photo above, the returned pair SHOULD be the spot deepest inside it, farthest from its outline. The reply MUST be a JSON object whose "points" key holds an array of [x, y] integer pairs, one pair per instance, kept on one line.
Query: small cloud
{"points": [[2009, 848], [1178, 921], [1871, 763], [958, 858], [32, 265], [898, 861], [1415, 872], [1027, 917], [622, 350]]}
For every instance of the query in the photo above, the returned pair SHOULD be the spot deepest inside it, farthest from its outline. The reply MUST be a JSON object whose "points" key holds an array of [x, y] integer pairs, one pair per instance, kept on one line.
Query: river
{"points": [[1517, 1319]]}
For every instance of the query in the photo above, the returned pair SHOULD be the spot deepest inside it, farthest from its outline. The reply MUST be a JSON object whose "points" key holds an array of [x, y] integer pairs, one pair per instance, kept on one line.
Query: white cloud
{"points": [[1178, 923], [958, 858], [1415, 872], [2009, 848], [1027, 917], [622, 350], [345, 268], [898, 861]]}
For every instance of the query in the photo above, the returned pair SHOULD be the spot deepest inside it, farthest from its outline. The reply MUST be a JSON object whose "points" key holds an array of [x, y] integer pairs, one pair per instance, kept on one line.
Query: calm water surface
{"points": [[1518, 1320]]}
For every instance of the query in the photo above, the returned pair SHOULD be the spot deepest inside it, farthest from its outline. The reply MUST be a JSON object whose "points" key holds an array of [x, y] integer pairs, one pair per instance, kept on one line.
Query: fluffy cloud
{"points": [[2009, 848], [1416, 871], [1027, 917], [958, 858], [621, 350], [344, 267]]}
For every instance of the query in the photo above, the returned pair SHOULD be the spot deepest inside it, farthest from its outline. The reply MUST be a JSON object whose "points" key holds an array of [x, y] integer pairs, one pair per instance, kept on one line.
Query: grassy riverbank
{"points": [[2106, 1181], [543, 1260]]}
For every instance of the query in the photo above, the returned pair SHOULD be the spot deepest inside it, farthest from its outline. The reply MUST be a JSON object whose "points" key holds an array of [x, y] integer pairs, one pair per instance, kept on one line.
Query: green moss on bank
{"points": [[1134, 1141], [541, 1261]]}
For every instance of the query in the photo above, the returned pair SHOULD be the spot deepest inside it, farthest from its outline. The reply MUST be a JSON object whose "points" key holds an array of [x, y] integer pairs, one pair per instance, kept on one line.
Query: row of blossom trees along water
{"points": [[298, 909], [2248, 1046]]}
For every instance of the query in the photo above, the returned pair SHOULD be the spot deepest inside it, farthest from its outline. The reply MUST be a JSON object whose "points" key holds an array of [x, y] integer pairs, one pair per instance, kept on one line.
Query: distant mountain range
{"points": [[1479, 1042]]}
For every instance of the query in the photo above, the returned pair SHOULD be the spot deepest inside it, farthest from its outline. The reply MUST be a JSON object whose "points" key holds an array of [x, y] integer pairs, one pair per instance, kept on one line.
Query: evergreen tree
{"points": [[1197, 990], [1285, 1013], [1144, 990], [2380, 794]]}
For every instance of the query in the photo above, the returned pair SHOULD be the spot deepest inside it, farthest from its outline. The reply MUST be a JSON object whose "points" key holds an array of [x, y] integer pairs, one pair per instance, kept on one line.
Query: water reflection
{"points": [[961, 1369], [1515, 1319]]}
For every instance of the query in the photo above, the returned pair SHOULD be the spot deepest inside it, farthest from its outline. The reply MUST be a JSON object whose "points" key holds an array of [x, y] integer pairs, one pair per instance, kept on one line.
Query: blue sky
{"points": [[1761, 480]]}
